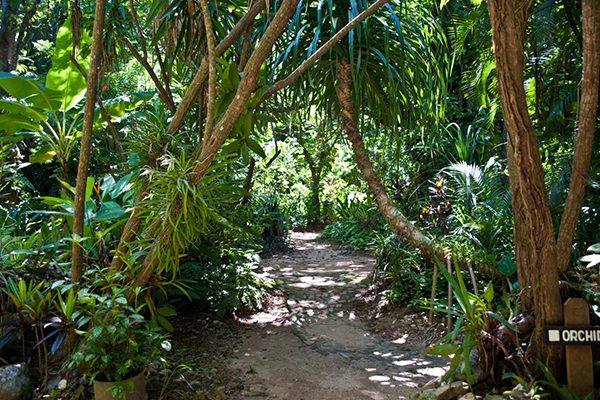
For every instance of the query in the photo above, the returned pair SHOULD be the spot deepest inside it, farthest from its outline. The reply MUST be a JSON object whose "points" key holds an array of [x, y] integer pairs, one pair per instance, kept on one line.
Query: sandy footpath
{"points": [[312, 345]]}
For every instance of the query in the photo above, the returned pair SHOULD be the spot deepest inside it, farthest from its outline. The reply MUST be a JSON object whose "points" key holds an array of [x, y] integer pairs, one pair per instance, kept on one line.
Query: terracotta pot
{"points": [[103, 390]]}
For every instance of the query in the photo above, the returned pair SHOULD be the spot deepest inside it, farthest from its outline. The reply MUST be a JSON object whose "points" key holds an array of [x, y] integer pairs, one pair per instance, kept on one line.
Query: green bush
{"points": [[359, 224], [232, 282], [401, 269]]}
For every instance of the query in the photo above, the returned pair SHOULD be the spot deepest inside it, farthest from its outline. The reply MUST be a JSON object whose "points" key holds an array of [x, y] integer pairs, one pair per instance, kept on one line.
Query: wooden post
{"points": [[449, 263], [580, 369], [435, 277]]}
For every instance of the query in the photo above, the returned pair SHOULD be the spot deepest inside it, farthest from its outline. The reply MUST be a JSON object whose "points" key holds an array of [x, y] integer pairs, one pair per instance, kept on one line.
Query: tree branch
{"points": [[582, 154], [196, 84], [86, 140], [212, 72], [161, 90], [136, 22], [323, 49]]}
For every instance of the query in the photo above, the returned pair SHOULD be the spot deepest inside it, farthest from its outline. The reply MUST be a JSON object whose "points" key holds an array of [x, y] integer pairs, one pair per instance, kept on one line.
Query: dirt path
{"points": [[314, 346]]}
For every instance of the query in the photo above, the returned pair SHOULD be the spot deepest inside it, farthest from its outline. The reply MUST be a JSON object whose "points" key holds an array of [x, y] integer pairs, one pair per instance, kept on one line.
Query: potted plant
{"points": [[117, 348]]}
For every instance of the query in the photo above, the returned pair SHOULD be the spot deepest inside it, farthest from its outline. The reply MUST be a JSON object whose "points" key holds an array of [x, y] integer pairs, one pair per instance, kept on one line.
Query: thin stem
{"points": [[212, 71], [144, 62], [323, 49]]}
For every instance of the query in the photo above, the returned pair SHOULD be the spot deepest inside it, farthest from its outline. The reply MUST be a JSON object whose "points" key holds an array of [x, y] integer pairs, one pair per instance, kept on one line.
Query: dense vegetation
{"points": [[152, 150]]}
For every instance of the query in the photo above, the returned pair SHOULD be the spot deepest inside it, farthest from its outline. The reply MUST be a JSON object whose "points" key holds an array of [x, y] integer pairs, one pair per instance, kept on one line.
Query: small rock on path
{"points": [[315, 346]]}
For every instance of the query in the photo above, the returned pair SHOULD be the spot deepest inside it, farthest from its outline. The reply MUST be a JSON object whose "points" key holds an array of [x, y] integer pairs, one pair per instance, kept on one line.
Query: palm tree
{"points": [[388, 74]]}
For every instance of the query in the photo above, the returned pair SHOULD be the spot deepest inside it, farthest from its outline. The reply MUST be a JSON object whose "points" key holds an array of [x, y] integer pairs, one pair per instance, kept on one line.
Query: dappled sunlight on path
{"points": [[314, 346]]}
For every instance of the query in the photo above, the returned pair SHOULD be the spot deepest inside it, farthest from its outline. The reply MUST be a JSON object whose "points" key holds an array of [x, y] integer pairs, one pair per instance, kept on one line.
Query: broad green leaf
{"points": [[14, 108], [122, 186], [16, 123], [64, 76], [507, 265], [489, 293], [29, 90], [444, 349], [89, 187], [166, 312], [468, 344], [234, 75], [233, 147], [110, 210], [247, 124], [43, 155], [265, 117], [255, 147], [106, 187], [164, 323], [56, 201]]}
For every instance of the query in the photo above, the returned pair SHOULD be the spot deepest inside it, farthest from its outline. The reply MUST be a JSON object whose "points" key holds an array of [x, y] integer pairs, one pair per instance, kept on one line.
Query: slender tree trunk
{"points": [[521, 234], [509, 21], [86, 139], [190, 96], [315, 174], [582, 155], [316, 200], [403, 229], [248, 183], [7, 38], [211, 146]]}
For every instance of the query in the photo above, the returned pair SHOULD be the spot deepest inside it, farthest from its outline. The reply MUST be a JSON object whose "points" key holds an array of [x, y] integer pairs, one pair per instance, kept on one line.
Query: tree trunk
{"points": [[403, 229], [211, 146], [521, 233], [7, 38], [250, 176], [509, 21], [582, 155], [86, 139], [134, 221], [315, 198]]}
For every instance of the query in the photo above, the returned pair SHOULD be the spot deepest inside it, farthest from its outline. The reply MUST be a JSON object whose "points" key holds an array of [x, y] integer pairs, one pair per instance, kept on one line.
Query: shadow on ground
{"points": [[312, 345]]}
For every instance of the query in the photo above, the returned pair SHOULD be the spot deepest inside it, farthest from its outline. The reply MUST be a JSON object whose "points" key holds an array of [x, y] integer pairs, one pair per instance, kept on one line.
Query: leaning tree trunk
{"points": [[509, 21], [315, 198], [520, 234], [211, 146], [86, 140], [585, 135], [403, 229]]}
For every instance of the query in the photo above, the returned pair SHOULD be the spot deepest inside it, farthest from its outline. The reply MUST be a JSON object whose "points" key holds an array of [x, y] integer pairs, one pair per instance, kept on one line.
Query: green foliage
{"points": [[233, 281], [119, 344], [270, 220], [359, 225], [103, 217], [475, 321], [64, 77], [406, 279]]}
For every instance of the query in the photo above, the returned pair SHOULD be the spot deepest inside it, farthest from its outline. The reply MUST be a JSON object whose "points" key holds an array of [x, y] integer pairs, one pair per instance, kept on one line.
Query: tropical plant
{"points": [[475, 322], [47, 113], [228, 282], [118, 344], [406, 279]]}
